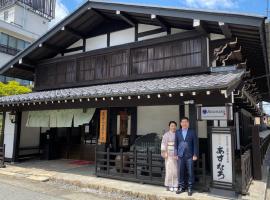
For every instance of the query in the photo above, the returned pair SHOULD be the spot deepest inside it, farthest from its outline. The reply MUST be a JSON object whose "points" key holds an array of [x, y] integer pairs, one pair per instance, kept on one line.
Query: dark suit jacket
{"points": [[187, 147]]}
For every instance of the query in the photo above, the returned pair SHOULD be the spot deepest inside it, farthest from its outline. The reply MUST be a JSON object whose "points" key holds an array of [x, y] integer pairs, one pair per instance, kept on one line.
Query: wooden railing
{"points": [[246, 171], [143, 167], [2, 156]]}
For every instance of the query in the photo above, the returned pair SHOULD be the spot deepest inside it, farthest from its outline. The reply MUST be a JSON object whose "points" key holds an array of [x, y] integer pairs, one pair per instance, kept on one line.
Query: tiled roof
{"points": [[220, 80]]}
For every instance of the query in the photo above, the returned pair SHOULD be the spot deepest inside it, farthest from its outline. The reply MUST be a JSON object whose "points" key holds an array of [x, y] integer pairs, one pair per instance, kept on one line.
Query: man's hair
{"points": [[185, 118], [172, 122]]}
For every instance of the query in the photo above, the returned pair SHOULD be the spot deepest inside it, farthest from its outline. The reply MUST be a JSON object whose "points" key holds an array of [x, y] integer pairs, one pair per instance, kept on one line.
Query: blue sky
{"points": [[258, 7], [246, 6]]}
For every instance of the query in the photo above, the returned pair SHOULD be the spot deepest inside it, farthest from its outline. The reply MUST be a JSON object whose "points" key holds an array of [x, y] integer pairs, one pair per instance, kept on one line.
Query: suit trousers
{"points": [[186, 168]]}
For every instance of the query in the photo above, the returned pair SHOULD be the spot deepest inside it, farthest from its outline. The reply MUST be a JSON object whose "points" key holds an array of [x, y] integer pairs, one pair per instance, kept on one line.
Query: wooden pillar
{"points": [[2, 135], [256, 154], [16, 142]]}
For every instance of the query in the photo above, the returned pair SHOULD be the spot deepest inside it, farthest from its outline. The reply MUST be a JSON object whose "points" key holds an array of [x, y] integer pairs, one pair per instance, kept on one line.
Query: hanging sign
{"points": [[103, 126]]}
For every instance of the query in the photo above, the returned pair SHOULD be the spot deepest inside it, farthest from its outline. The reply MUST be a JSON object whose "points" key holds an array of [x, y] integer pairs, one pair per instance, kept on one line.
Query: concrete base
{"points": [[228, 194]]}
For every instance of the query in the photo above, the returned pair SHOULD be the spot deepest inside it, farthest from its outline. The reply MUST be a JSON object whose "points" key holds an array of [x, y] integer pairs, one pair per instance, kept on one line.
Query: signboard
{"points": [[103, 126], [214, 113], [222, 157]]}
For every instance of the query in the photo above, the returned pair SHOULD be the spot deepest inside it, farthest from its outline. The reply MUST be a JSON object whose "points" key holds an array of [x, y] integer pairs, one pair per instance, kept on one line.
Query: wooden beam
{"points": [[225, 30], [51, 47], [126, 18], [24, 67], [26, 63], [73, 32], [73, 49], [199, 26], [84, 45], [161, 21], [151, 32], [100, 14], [108, 39]]}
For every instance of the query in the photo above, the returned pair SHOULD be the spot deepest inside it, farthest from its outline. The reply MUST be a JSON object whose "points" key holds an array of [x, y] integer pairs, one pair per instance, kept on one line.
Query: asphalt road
{"points": [[23, 189]]}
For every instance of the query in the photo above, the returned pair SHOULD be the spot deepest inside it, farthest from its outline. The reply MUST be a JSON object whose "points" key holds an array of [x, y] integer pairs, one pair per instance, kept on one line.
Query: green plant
{"points": [[12, 88]]}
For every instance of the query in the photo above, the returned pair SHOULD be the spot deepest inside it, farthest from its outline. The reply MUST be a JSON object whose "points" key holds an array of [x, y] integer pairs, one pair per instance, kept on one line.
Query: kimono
{"points": [[171, 166]]}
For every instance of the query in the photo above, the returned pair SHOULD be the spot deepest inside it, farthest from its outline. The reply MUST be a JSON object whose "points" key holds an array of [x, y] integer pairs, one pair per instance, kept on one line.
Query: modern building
{"points": [[21, 23], [110, 77]]}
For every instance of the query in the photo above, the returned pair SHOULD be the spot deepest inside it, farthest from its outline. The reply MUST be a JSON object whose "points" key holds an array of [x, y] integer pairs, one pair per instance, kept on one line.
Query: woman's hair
{"points": [[172, 122]]}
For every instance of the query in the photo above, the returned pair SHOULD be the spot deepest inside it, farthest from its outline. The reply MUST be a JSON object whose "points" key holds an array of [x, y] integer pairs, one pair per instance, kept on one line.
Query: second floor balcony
{"points": [[169, 56]]}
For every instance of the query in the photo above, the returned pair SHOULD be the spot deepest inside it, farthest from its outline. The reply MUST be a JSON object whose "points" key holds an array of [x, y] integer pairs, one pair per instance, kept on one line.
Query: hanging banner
{"points": [[103, 126], [222, 157]]}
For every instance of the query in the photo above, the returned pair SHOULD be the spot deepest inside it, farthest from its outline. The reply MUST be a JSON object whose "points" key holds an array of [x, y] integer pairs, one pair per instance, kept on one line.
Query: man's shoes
{"points": [[189, 192], [180, 190]]}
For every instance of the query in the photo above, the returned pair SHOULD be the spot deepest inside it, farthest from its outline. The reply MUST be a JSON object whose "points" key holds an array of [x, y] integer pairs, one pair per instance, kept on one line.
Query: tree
{"points": [[12, 88]]}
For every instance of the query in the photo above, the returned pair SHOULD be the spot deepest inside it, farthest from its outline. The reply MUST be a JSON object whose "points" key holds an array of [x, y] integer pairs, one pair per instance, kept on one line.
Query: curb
{"points": [[144, 195]]}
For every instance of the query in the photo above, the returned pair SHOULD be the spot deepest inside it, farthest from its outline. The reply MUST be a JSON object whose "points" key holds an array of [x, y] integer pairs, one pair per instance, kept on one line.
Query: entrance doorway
{"points": [[71, 142]]}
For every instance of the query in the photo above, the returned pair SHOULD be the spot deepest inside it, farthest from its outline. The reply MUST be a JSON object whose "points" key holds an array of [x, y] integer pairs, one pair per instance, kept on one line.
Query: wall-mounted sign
{"points": [[215, 112], [103, 127], [222, 157]]}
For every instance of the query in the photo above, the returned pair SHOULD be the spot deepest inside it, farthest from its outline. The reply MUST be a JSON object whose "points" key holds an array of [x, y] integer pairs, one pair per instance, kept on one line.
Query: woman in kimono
{"points": [[167, 152]]}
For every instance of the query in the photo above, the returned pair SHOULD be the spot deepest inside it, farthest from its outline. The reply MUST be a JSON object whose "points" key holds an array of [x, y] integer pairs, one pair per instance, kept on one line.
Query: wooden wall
{"points": [[127, 62]]}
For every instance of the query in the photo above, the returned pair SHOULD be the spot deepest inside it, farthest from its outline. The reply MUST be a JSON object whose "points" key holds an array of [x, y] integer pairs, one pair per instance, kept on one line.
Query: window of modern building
{"points": [[3, 39], [20, 44], [13, 42]]}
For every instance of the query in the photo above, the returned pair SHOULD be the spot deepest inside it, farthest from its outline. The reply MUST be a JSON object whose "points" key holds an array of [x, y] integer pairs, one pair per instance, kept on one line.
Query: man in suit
{"points": [[186, 150]]}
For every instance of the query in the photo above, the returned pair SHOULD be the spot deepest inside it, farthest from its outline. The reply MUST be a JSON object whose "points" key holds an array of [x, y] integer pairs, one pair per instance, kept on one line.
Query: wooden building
{"points": [[111, 73]]}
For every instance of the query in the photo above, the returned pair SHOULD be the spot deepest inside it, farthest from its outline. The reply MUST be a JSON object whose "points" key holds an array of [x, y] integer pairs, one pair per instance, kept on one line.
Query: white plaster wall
{"points": [[214, 36], [76, 44], [156, 118], [202, 129], [97, 42], [122, 37], [146, 27], [177, 30], [29, 135], [9, 132]]}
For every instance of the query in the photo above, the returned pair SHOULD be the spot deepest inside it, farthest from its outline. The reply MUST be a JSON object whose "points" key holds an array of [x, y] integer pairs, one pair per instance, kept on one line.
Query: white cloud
{"points": [[211, 4], [61, 12]]}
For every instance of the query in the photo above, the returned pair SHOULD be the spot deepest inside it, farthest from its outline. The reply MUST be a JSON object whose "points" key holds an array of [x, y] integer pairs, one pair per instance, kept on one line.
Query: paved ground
{"points": [[62, 172], [59, 179], [23, 189]]}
